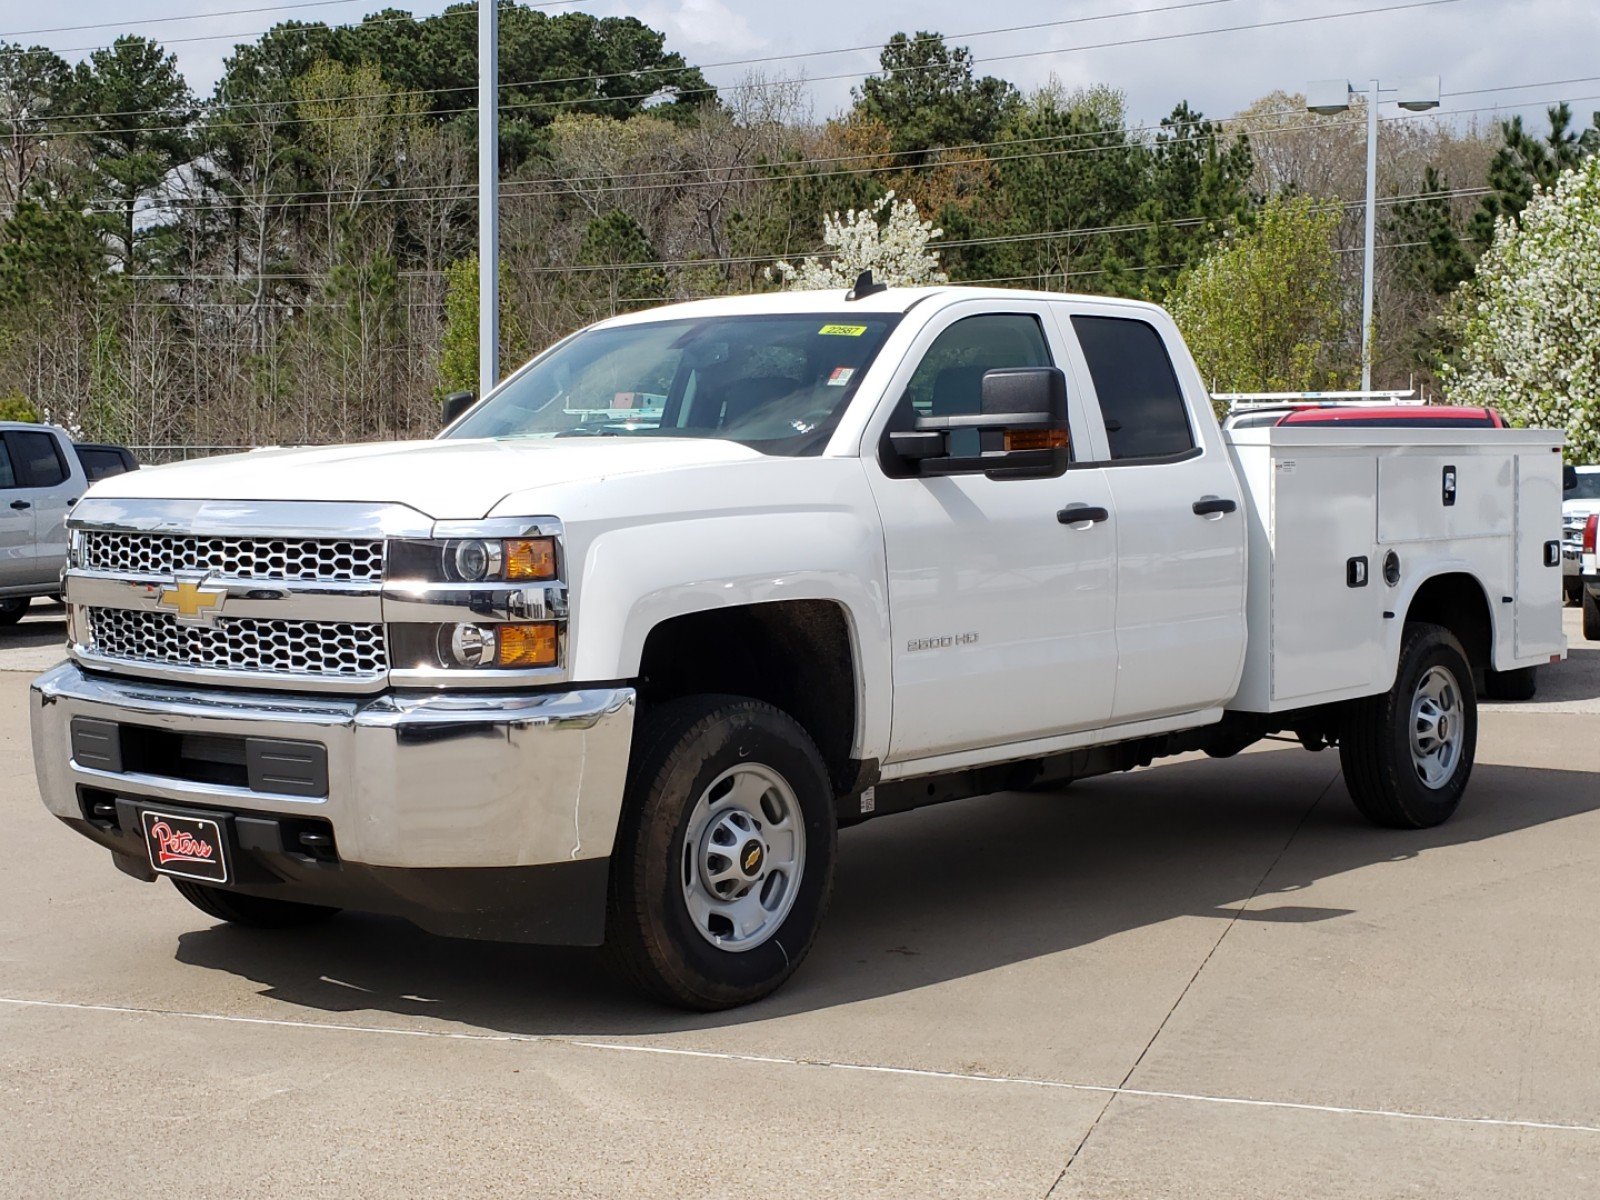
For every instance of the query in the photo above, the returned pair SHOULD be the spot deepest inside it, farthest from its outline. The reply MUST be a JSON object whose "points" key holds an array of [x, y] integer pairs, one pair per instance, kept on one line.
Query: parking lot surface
{"points": [[1199, 979]]}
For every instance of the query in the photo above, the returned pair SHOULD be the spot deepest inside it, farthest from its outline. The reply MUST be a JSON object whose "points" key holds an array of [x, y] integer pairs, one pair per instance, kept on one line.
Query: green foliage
{"points": [[1524, 165], [617, 240], [14, 406], [1261, 311], [114, 90], [928, 96], [1529, 322], [458, 344]]}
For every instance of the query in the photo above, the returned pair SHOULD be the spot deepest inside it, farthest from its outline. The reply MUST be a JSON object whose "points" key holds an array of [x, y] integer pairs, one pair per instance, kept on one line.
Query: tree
{"points": [[929, 97], [896, 252], [34, 95], [1529, 322], [1261, 312], [135, 110], [1524, 165]]}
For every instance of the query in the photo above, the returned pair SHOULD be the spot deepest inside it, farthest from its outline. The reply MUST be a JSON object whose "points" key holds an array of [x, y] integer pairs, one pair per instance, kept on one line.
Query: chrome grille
{"points": [[309, 648], [332, 560]]}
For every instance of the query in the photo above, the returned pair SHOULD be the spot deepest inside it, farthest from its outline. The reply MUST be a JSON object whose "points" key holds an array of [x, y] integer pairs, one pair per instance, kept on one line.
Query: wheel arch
{"points": [[801, 656], [1456, 600]]}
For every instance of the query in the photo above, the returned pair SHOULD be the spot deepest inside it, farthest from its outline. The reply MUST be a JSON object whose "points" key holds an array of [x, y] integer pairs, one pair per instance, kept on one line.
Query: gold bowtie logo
{"points": [[193, 602]]}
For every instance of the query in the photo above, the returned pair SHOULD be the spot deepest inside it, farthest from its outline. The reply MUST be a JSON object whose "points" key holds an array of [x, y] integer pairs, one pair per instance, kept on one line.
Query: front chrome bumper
{"points": [[440, 780]]}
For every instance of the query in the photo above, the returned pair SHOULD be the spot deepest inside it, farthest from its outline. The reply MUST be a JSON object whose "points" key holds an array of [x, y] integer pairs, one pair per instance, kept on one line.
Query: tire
{"points": [[1521, 684], [1591, 615], [1383, 735], [706, 772], [12, 611], [254, 912]]}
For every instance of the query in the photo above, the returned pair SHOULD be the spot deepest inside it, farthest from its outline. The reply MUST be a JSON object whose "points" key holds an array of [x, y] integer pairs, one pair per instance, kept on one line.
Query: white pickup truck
{"points": [[613, 658]]}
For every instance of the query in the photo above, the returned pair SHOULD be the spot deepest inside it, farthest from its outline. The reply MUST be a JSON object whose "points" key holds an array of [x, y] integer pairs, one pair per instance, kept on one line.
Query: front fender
{"points": [[636, 576]]}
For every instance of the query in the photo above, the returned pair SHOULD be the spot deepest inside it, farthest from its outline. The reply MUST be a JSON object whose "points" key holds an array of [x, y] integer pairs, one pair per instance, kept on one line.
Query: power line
{"points": [[680, 93], [141, 21], [956, 244], [738, 62], [763, 174]]}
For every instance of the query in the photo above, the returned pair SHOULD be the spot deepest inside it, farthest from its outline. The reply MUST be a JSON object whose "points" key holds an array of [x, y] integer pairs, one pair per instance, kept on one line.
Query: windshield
{"points": [[776, 383], [1588, 487]]}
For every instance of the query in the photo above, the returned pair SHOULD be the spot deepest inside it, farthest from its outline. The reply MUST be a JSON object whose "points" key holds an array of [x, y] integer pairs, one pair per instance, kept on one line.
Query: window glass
{"points": [[99, 463], [1588, 487], [777, 383], [36, 462], [948, 382], [1139, 395], [949, 379], [8, 477]]}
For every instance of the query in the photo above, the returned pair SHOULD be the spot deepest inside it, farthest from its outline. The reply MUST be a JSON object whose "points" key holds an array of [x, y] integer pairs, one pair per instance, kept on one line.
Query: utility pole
{"points": [[488, 196], [1329, 96]]}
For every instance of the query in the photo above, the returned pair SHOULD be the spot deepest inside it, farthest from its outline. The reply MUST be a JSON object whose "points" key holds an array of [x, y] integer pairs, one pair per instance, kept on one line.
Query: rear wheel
{"points": [[255, 912], [1407, 754], [1591, 615], [724, 858], [1520, 684], [11, 611]]}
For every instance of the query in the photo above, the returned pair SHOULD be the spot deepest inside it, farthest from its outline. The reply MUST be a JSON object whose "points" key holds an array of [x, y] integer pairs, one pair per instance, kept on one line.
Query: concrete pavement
{"points": [[1200, 979]]}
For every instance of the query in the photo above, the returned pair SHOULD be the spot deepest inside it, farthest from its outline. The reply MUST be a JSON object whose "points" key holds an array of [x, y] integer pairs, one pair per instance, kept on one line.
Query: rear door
{"points": [[1180, 522], [43, 480]]}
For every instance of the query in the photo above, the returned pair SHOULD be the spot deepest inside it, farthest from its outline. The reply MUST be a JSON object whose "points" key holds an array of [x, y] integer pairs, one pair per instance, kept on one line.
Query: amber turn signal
{"points": [[1036, 439], [530, 558], [532, 645]]}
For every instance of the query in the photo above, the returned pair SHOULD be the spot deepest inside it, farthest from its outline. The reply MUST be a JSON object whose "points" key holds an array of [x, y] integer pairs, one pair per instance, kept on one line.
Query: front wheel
{"points": [[724, 858], [1407, 753], [11, 611]]}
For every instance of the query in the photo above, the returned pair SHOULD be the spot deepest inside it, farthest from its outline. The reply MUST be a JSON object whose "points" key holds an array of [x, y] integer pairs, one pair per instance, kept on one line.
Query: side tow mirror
{"points": [[1021, 424], [1569, 477], [455, 404]]}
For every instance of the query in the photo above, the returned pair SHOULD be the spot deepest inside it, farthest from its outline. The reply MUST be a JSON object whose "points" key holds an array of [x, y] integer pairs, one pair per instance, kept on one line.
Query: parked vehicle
{"points": [[40, 480], [1589, 577], [102, 461], [564, 675], [1358, 416], [1578, 503]]}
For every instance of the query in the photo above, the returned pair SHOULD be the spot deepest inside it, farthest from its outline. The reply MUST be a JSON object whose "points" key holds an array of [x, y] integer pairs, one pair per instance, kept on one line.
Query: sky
{"points": [[1479, 48]]}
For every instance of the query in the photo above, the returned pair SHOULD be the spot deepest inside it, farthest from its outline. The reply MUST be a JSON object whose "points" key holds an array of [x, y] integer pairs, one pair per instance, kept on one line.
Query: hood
{"points": [[446, 480]]}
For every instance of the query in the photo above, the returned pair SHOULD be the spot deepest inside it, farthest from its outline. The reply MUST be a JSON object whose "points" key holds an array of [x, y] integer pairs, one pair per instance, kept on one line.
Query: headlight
{"points": [[475, 560]]}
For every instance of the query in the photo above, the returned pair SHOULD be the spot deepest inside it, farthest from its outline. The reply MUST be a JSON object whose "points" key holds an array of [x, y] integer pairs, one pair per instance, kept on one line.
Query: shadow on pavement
{"points": [[45, 625], [933, 896]]}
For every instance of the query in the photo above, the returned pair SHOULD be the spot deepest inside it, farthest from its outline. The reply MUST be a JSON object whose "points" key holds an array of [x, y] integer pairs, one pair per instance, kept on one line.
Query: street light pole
{"points": [[1371, 231], [1328, 96], [488, 196]]}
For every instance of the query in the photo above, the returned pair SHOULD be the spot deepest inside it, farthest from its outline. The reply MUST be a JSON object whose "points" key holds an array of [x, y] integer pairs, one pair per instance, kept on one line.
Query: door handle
{"points": [[1075, 514], [19, 505], [1208, 505]]}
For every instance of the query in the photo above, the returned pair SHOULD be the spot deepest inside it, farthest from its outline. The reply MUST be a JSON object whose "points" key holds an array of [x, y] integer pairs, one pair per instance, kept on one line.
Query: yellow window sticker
{"points": [[841, 330]]}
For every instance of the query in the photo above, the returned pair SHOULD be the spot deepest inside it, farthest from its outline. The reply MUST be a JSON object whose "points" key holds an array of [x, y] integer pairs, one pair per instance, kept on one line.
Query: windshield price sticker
{"points": [[841, 376], [841, 331]]}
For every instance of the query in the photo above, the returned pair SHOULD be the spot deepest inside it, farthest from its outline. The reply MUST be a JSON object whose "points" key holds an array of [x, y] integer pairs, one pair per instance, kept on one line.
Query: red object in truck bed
{"points": [[1428, 416]]}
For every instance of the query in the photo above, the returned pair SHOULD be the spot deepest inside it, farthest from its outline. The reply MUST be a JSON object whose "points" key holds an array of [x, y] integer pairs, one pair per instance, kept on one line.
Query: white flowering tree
{"points": [[1529, 322], [895, 250]]}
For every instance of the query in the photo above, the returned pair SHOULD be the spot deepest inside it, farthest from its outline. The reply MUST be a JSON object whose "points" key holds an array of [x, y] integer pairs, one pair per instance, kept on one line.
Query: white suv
{"points": [[40, 480]]}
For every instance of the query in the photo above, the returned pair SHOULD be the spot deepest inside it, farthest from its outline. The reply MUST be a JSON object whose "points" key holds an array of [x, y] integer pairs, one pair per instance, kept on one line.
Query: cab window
{"points": [[948, 382], [8, 476], [1143, 407]]}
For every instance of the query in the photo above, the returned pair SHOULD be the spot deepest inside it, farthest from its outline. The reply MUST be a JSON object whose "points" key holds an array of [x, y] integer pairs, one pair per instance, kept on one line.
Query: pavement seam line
{"points": [[1122, 1088], [816, 1063]]}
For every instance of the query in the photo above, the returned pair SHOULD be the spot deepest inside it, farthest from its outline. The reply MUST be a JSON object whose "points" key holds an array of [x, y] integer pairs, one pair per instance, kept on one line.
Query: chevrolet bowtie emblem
{"points": [[193, 602]]}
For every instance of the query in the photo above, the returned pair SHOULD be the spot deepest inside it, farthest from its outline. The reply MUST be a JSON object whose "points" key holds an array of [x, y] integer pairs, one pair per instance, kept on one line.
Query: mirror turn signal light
{"points": [[530, 558], [1036, 439], [532, 645]]}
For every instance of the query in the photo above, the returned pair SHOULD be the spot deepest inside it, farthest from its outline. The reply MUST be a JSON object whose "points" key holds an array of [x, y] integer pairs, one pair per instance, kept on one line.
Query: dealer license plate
{"points": [[187, 846]]}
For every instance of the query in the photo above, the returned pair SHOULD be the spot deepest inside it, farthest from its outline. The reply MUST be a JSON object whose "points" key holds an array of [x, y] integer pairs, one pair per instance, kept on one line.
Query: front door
{"points": [[1002, 616], [39, 493], [16, 526]]}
